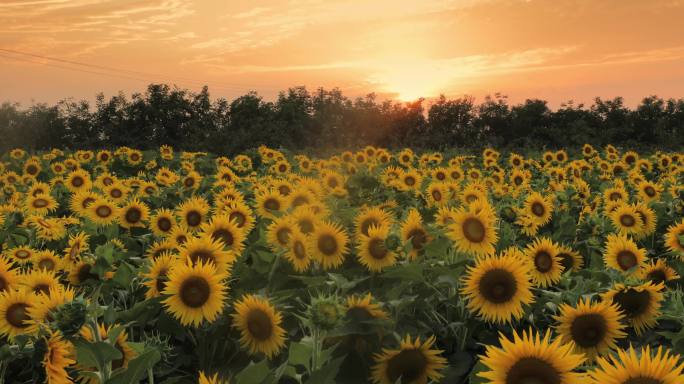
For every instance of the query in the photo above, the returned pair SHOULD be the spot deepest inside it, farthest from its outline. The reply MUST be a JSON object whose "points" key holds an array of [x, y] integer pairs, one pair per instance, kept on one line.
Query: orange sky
{"points": [[556, 50]]}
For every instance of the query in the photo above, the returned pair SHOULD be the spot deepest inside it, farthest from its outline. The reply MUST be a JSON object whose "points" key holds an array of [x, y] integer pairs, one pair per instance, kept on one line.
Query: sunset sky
{"points": [[556, 50]]}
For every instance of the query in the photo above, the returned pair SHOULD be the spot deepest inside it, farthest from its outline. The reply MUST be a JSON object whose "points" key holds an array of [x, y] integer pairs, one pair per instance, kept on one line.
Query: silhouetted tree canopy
{"points": [[326, 119]]}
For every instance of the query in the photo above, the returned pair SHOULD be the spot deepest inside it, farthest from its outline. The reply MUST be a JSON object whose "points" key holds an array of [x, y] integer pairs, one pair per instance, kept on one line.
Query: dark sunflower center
{"points": [[189, 182], [588, 330], [408, 365], [543, 261], [225, 235], [133, 215], [306, 226], [327, 244], [418, 238], [377, 249], [437, 195], [87, 201], [85, 274], [359, 314], [299, 200], [194, 292], [181, 239], [498, 286], [17, 314], [282, 168], [164, 224], [627, 220], [77, 181], [116, 193], [284, 190], [518, 180], [31, 169], [410, 180], [202, 255], [193, 218], [538, 208], [160, 281], [626, 259], [615, 196], [21, 254], [41, 288], [650, 191], [633, 302], [440, 175], [567, 261], [473, 230], [259, 324], [643, 380], [365, 224], [103, 211], [40, 203], [657, 276], [238, 217], [3, 284], [272, 204], [531, 370], [299, 250], [283, 235]]}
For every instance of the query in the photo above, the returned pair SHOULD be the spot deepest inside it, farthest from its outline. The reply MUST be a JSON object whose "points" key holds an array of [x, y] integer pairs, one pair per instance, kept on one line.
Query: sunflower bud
{"points": [[70, 317], [392, 242], [325, 312]]}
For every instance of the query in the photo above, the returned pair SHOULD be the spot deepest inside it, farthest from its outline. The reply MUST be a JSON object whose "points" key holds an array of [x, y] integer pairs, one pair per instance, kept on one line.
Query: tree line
{"points": [[326, 119]]}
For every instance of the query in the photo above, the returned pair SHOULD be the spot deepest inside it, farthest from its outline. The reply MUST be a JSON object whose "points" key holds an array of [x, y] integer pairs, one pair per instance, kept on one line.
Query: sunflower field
{"points": [[122, 266]]}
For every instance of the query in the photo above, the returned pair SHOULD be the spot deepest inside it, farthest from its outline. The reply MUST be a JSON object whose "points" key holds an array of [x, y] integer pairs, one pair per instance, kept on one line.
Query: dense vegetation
{"points": [[124, 266], [300, 119]]}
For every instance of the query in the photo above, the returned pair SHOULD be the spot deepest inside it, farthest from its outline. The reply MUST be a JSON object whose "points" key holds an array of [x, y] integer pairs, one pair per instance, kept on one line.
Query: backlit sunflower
{"points": [[206, 249], [413, 232], [193, 213], [594, 328], [298, 253], [133, 214], [58, 357], [259, 326], [473, 231], [373, 216], [531, 359], [222, 228], [414, 362], [362, 308], [658, 272], [14, 307], [498, 288], [545, 265], [623, 254], [626, 220], [328, 244], [538, 208], [372, 250], [640, 304], [8, 276], [196, 293], [157, 276], [162, 222], [674, 238], [642, 367], [103, 211]]}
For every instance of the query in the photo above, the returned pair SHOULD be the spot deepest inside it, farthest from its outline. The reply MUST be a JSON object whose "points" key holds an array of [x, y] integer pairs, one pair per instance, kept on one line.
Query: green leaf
{"points": [[96, 354], [300, 354], [253, 373], [327, 373], [137, 368], [124, 274], [411, 272]]}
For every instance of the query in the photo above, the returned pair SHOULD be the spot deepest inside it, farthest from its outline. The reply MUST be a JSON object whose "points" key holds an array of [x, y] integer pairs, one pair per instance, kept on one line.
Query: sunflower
{"points": [[570, 259], [409, 180], [39, 281], [640, 304], [117, 191], [538, 208], [21, 255], [649, 191], [473, 231], [658, 272], [306, 219], [41, 312], [648, 218], [372, 250], [674, 238], [46, 260], [210, 379], [437, 194], [225, 230], [298, 253], [414, 362], [78, 180], [623, 254], [545, 265], [133, 214], [328, 244], [41, 204], [642, 367], [372, 216], [363, 309], [207, 250], [103, 211], [259, 326], [594, 328], [8, 276], [179, 236], [82, 272], [77, 244], [193, 213], [14, 307], [239, 212], [48, 228], [300, 197], [414, 234], [497, 288], [81, 200], [58, 357], [157, 248], [269, 203], [627, 220], [279, 231], [531, 359], [157, 276], [192, 180], [162, 222], [121, 344]]}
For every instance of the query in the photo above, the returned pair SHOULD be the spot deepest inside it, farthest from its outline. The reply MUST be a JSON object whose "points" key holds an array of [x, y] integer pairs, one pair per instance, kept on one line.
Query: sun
{"points": [[410, 80]]}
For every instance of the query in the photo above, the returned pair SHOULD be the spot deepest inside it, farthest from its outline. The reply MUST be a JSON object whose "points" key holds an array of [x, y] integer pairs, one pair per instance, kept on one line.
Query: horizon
{"points": [[567, 50]]}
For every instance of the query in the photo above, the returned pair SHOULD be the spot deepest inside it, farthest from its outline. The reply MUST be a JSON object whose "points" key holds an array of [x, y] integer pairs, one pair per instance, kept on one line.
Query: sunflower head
{"points": [[414, 362], [259, 325]]}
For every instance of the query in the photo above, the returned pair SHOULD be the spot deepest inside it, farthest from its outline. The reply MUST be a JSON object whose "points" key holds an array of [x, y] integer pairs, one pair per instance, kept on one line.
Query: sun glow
{"points": [[412, 80]]}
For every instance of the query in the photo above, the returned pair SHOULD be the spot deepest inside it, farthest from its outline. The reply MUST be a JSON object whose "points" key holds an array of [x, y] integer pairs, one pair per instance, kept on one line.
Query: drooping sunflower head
{"points": [[640, 303], [413, 362], [78, 243], [9, 277], [545, 265], [498, 288], [259, 325], [531, 359], [195, 293], [58, 357], [594, 328], [42, 312]]}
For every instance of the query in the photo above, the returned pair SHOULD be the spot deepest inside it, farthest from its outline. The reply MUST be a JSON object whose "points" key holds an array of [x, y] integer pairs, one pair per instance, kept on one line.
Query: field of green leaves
{"points": [[374, 266]]}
